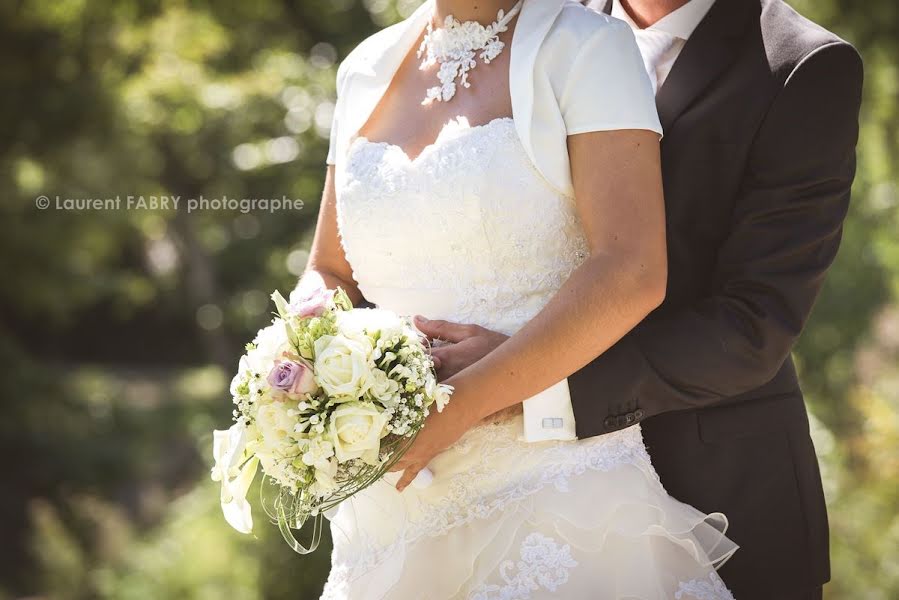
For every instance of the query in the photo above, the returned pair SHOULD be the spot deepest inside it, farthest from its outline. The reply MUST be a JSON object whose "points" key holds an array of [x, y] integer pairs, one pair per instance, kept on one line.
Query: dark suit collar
{"points": [[711, 48]]}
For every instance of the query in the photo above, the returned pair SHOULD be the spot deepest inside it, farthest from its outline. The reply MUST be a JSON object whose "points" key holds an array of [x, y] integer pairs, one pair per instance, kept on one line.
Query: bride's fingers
{"points": [[408, 475], [399, 465]]}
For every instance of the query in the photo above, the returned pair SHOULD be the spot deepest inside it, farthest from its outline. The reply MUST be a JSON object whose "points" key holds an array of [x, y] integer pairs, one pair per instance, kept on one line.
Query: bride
{"points": [[497, 163]]}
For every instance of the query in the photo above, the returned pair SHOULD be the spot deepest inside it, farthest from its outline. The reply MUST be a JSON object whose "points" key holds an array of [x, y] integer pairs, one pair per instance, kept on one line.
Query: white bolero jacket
{"points": [[573, 70]]}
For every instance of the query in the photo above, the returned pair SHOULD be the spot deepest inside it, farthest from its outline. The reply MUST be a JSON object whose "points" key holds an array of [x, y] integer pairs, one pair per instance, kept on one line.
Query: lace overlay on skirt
{"points": [[502, 519]]}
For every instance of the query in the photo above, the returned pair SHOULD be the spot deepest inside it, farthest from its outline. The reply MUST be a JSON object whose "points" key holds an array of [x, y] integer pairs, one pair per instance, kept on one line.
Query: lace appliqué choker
{"points": [[455, 46]]}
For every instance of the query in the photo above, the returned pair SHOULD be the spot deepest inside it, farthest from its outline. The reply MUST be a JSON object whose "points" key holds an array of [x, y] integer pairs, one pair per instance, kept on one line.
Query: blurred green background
{"points": [[119, 329]]}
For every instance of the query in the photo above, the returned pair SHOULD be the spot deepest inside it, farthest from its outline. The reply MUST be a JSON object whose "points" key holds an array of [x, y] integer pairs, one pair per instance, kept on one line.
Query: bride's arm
{"points": [[328, 266], [618, 190]]}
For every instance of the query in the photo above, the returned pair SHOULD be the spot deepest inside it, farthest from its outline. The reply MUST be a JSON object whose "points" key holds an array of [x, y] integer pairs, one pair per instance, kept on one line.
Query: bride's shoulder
{"points": [[370, 48], [577, 25], [369, 56]]}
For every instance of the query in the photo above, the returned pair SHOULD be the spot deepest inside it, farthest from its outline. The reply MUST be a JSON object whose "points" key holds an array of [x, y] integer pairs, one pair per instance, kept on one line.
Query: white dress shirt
{"points": [[662, 42]]}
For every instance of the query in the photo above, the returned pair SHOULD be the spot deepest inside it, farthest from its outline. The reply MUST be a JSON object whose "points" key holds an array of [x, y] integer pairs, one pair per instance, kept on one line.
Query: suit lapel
{"points": [[712, 47]]}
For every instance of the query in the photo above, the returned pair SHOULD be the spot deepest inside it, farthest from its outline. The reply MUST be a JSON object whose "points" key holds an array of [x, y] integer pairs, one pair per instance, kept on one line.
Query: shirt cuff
{"points": [[548, 416]]}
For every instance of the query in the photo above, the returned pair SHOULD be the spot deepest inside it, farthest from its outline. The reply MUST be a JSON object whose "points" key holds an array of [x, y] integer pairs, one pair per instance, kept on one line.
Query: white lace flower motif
{"points": [[544, 564], [455, 47], [712, 588]]}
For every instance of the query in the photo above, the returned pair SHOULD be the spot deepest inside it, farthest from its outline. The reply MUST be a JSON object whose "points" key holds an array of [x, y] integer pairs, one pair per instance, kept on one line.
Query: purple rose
{"points": [[311, 304], [293, 377]]}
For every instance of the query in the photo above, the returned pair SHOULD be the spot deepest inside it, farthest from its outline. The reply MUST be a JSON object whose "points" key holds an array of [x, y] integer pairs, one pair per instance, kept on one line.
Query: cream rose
{"points": [[270, 343], [382, 388], [342, 365], [356, 429], [275, 424]]}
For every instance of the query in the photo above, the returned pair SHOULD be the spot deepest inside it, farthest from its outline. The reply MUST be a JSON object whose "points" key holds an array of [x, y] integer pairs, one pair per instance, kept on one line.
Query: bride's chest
{"points": [[473, 185]]}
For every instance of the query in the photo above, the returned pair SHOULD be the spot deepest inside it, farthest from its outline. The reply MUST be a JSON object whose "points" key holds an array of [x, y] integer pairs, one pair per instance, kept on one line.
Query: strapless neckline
{"points": [[452, 130], [468, 230]]}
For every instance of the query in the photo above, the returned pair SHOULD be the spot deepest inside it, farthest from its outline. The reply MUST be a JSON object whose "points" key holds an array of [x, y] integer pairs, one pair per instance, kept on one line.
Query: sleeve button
{"points": [[639, 413]]}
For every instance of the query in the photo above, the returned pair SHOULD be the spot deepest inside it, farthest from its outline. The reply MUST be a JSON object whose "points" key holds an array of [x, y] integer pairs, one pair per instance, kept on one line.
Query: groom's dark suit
{"points": [[760, 113]]}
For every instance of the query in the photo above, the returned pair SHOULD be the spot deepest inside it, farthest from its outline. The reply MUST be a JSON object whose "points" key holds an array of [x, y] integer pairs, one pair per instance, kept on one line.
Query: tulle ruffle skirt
{"points": [[508, 520]]}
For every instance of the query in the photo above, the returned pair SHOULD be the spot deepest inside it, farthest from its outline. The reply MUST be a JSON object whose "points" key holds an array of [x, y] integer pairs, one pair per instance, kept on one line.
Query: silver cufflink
{"points": [[552, 422]]}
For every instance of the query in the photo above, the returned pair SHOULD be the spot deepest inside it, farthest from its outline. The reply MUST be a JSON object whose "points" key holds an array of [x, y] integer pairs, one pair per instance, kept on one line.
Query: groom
{"points": [[760, 112]]}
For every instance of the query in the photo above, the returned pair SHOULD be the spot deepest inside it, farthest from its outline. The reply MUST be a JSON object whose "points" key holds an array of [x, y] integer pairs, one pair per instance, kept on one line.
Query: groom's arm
{"points": [[785, 233]]}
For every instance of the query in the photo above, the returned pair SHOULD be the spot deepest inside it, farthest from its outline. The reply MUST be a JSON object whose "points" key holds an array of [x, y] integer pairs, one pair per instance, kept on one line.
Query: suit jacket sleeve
{"points": [[785, 231]]}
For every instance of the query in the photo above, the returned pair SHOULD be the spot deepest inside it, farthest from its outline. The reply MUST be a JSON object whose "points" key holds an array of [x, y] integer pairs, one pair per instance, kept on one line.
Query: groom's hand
{"points": [[467, 344]]}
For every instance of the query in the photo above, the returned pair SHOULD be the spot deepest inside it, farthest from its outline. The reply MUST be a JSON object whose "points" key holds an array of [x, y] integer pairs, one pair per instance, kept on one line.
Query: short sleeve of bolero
{"points": [[607, 87]]}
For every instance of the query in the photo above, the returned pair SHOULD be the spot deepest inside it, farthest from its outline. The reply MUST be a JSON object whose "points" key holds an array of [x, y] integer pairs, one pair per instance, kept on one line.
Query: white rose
{"points": [[356, 429], [271, 342], [382, 388], [342, 365], [275, 423]]}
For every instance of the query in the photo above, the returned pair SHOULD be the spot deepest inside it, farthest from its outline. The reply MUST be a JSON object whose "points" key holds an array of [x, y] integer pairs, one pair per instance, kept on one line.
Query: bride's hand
{"points": [[441, 430], [467, 344]]}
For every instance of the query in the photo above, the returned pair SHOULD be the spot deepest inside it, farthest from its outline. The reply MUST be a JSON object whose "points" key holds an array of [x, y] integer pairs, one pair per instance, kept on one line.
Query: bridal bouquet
{"points": [[327, 398]]}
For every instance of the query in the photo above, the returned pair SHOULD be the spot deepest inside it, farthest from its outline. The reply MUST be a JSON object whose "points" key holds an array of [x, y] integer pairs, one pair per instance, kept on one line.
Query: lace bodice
{"points": [[467, 231]]}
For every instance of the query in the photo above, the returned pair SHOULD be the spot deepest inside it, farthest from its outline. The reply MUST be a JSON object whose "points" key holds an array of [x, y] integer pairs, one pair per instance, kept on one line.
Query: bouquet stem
{"points": [[292, 541]]}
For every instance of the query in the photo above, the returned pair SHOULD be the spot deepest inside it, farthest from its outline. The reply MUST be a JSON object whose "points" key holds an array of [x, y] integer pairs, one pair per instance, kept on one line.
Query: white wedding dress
{"points": [[470, 231]]}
